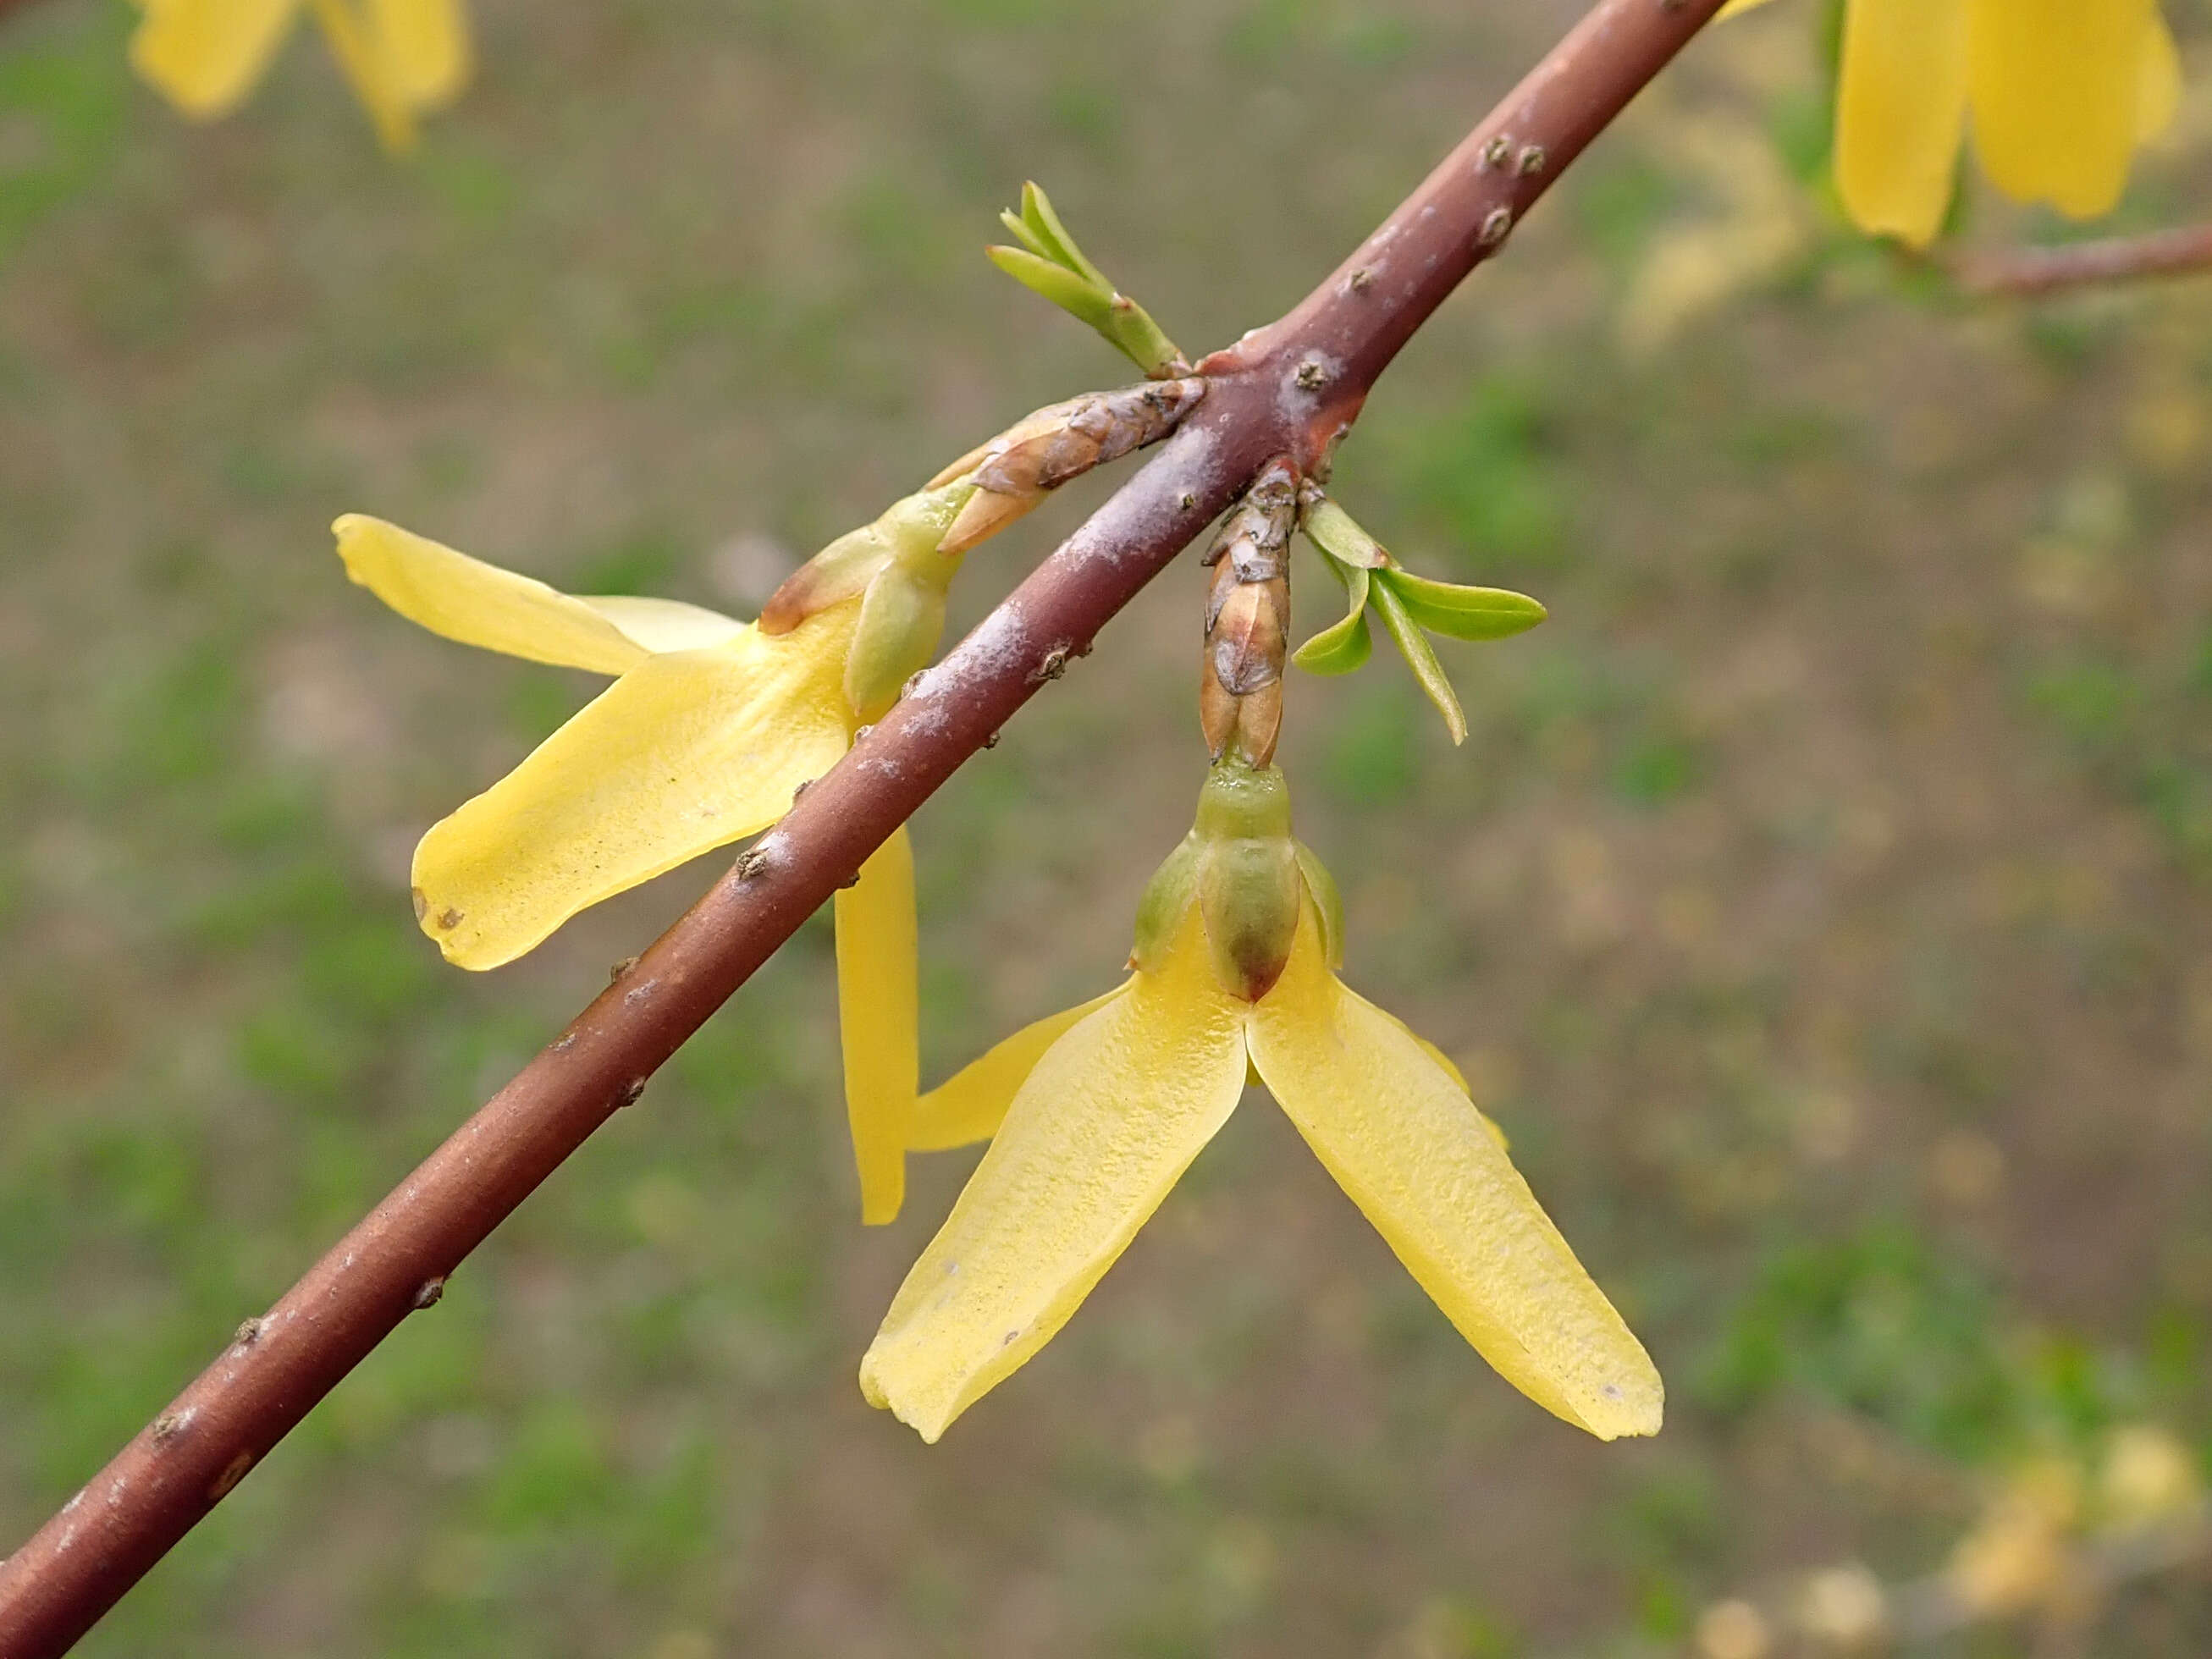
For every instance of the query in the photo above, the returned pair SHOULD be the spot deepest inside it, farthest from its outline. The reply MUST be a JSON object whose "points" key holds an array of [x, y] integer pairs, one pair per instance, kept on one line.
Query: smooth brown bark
{"points": [[1290, 389]]}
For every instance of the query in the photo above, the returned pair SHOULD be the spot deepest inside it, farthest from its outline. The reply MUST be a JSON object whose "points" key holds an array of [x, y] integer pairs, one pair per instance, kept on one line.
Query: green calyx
{"points": [[893, 567], [1409, 607], [1249, 878], [1049, 262]]}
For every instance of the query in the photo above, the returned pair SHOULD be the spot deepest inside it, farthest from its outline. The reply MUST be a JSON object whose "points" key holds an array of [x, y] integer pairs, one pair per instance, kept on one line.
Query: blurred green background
{"points": [[1821, 901]]}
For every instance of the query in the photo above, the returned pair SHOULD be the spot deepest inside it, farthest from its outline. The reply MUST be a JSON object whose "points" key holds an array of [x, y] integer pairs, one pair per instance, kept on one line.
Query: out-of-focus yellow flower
{"points": [[710, 728], [403, 58], [2058, 94], [1105, 1105]]}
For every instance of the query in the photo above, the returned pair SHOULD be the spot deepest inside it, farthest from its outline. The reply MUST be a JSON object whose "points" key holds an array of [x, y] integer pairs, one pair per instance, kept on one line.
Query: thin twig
{"points": [[2026, 272], [1293, 388]]}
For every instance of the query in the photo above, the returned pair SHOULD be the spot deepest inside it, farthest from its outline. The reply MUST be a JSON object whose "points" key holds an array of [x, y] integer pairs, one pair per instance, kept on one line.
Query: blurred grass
{"points": [[1819, 898]]}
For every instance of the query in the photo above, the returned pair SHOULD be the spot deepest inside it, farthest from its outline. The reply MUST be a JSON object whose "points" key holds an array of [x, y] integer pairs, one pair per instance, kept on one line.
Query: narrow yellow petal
{"points": [[1452, 1070], [478, 604], [877, 1020], [1112, 1115], [1409, 1148], [664, 624], [2158, 94], [1900, 110], [204, 56], [2058, 95], [683, 753], [1736, 8], [427, 43], [364, 56], [969, 1105]]}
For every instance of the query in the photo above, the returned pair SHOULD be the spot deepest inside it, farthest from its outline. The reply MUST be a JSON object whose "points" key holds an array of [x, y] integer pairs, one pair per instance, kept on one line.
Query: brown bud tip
{"points": [[1217, 714], [1258, 723], [986, 513]]}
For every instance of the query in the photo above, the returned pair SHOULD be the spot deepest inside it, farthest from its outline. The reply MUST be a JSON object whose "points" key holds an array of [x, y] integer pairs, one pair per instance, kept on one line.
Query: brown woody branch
{"points": [[1291, 389], [2024, 273]]}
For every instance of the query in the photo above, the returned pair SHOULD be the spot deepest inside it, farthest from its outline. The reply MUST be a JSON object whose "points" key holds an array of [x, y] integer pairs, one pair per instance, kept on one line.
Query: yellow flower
{"points": [[2059, 95], [1105, 1105], [402, 57], [709, 729]]}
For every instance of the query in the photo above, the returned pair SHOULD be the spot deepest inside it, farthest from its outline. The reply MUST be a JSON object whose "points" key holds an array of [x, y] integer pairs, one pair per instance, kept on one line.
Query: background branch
{"points": [[2026, 272], [1293, 388]]}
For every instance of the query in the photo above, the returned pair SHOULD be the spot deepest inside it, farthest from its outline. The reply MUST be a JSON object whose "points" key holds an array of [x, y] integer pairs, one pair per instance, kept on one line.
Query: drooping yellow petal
{"points": [[1409, 1148], [1450, 1070], [664, 624], [2157, 95], [427, 44], [366, 59], [2057, 89], [969, 1105], [478, 603], [204, 56], [1111, 1115], [1900, 110], [876, 1021], [683, 753]]}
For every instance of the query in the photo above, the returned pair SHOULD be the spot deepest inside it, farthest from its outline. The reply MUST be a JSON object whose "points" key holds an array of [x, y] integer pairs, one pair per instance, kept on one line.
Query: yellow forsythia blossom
{"points": [[1098, 1110], [2057, 94], [403, 58], [709, 729]]}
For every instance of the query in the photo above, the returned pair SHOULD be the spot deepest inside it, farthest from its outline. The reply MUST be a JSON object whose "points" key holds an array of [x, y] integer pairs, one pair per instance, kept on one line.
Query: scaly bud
{"points": [[1248, 620], [1023, 465]]}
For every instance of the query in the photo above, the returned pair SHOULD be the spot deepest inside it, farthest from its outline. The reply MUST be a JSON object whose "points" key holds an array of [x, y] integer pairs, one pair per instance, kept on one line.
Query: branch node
{"points": [[430, 1293]]}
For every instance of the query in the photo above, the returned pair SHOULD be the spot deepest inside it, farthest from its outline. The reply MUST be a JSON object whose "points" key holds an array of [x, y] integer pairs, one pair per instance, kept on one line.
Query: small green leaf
{"points": [[1346, 645], [1464, 613], [1028, 238], [1335, 531], [1420, 657], [1057, 284], [1038, 214]]}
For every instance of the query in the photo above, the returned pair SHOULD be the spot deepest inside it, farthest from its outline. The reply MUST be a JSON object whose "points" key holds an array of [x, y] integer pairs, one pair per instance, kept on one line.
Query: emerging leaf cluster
{"points": [[1049, 262], [1409, 607]]}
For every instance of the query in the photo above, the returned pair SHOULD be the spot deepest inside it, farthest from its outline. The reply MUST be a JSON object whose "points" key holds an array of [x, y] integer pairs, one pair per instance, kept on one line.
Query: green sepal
{"points": [[1344, 645], [1338, 534], [901, 617], [1329, 903], [1167, 900], [1463, 613], [1420, 657], [913, 525], [1056, 282]]}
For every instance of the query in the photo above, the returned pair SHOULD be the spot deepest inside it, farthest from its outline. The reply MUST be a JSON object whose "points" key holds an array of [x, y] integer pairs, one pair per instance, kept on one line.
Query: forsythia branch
{"points": [[1291, 389]]}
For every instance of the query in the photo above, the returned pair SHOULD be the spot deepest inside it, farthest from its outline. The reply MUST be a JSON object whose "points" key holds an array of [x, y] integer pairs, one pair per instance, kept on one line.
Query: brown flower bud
{"points": [[1247, 621]]}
